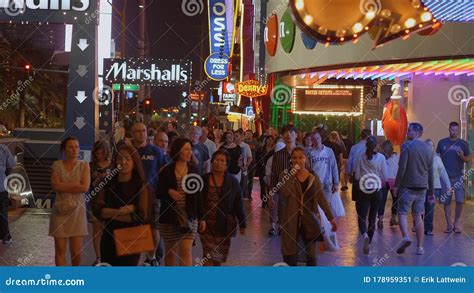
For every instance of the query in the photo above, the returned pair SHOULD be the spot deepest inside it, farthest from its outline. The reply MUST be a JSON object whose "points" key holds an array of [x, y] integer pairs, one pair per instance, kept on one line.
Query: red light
{"points": [[27, 67], [147, 102]]}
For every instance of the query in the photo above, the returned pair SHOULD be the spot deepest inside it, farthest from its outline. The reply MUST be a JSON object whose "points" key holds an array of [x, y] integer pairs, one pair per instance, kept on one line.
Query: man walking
{"points": [[454, 152], [414, 177]]}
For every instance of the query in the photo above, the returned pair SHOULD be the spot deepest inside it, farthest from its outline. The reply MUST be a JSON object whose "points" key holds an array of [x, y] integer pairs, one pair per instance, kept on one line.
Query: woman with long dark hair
{"points": [[370, 174], [70, 179], [223, 209], [100, 166], [122, 203], [181, 211]]}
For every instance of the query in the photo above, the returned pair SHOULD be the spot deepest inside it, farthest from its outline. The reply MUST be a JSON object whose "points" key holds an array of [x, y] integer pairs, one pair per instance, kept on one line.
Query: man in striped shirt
{"points": [[280, 162]]}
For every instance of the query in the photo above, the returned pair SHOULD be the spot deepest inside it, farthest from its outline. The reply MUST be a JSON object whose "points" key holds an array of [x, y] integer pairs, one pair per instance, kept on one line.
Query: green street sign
{"points": [[287, 31], [127, 87]]}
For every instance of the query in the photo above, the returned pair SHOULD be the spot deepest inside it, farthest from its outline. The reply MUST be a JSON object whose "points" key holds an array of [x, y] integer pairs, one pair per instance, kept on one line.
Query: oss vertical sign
{"points": [[217, 63]]}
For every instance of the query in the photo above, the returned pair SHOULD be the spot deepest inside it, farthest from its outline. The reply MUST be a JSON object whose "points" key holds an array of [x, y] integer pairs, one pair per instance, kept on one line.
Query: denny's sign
{"points": [[251, 88]]}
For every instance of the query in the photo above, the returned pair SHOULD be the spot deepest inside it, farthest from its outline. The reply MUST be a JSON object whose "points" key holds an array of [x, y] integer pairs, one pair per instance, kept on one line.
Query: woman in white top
{"points": [[323, 163], [391, 160], [369, 173], [440, 181]]}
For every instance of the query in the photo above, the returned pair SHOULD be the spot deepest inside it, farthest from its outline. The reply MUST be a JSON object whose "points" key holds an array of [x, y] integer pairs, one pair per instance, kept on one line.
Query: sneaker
{"points": [[366, 245], [429, 233], [403, 246], [420, 250], [272, 232], [8, 240]]}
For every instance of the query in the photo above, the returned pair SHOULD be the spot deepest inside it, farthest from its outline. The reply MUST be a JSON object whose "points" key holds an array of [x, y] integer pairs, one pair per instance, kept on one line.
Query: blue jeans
{"points": [[429, 211]]}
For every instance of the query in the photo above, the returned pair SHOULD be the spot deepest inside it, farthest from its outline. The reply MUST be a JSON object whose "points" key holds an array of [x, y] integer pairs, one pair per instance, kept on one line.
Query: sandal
{"points": [[448, 230], [457, 230]]}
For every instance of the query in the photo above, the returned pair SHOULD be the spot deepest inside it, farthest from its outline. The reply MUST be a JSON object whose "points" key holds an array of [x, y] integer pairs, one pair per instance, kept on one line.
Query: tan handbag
{"points": [[133, 240]]}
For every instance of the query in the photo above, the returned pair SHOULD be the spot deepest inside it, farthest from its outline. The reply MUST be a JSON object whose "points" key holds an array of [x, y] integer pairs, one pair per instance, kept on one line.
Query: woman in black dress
{"points": [[122, 203], [235, 153]]}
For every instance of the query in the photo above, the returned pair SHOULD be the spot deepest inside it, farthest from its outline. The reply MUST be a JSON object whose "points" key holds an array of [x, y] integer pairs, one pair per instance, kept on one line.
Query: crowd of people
{"points": [[140, 177]]}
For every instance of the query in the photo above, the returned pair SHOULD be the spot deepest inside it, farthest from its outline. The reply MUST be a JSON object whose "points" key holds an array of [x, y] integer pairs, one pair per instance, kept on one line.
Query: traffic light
{"points": [[27, 70], [147, 102]]}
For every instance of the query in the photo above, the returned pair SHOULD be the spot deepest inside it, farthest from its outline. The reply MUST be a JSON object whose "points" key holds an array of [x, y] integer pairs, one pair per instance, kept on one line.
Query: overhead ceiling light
{"points": [[299, 4], [426, 16], [409, 23], [308, 19]]}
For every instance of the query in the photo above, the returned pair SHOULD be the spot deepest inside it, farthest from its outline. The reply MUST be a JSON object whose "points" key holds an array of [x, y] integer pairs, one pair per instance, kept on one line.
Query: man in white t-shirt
{"points": [[324, 165]]}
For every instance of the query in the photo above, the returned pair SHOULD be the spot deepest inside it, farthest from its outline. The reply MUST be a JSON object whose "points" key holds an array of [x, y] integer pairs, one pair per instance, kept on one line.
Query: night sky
{"points": [[170, 34]]}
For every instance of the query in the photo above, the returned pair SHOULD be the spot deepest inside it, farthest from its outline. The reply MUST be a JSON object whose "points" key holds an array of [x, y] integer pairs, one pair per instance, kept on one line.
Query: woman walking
{"points": [[123, 203], [223, 209], [369, 173], [391, 161], [303, 194], [70, 179], [181, 211]]}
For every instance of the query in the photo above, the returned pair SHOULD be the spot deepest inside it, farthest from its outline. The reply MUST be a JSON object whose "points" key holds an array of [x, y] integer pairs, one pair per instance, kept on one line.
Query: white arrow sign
{"points": [[81, 70], [80, 122], [81, 96], [83, 44]]}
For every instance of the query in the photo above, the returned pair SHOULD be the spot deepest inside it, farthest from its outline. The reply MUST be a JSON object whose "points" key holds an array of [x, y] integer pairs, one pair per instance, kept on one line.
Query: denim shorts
{"points": [[457, 185], [413, 200]]}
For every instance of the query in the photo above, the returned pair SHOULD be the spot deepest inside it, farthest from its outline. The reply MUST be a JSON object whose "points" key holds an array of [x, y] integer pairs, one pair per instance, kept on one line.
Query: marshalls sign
{"points": [[157, 72]]}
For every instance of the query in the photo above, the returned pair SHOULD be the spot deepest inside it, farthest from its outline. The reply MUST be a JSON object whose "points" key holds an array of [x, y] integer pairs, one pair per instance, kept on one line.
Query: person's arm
{"points": [[350, 162], [321, 199], [335, 172], [430, 177], [383, 170], [268, 171], [402, 165], [207, 160], [444, 178], [249, 155], [70, 187], [238, 207], [465, 154]]}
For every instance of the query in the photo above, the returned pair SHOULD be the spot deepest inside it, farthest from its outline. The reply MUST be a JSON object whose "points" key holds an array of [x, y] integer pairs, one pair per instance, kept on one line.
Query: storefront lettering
{"points": [[45, 4]]}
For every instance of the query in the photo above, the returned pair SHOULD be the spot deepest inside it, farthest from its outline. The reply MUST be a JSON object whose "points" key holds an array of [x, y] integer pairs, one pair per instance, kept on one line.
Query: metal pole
{"points": [[141, 51]]}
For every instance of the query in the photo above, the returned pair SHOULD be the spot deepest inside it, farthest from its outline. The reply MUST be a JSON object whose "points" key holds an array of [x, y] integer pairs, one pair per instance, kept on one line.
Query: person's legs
{"points": [[405, 202], [291, 260], [274, 213], [381, 207], [250, 184], [445, 199], [374, 205], [185, 252], [60, 244], [362, 208], [429, 214], [4, 230], [459, 197], [75, 249], [171, 253], [418, 210], [96, 236]]}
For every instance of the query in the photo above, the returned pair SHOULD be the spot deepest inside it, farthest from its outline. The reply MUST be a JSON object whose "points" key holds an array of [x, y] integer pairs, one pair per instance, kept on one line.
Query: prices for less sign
{"points": [[217, 64]]}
